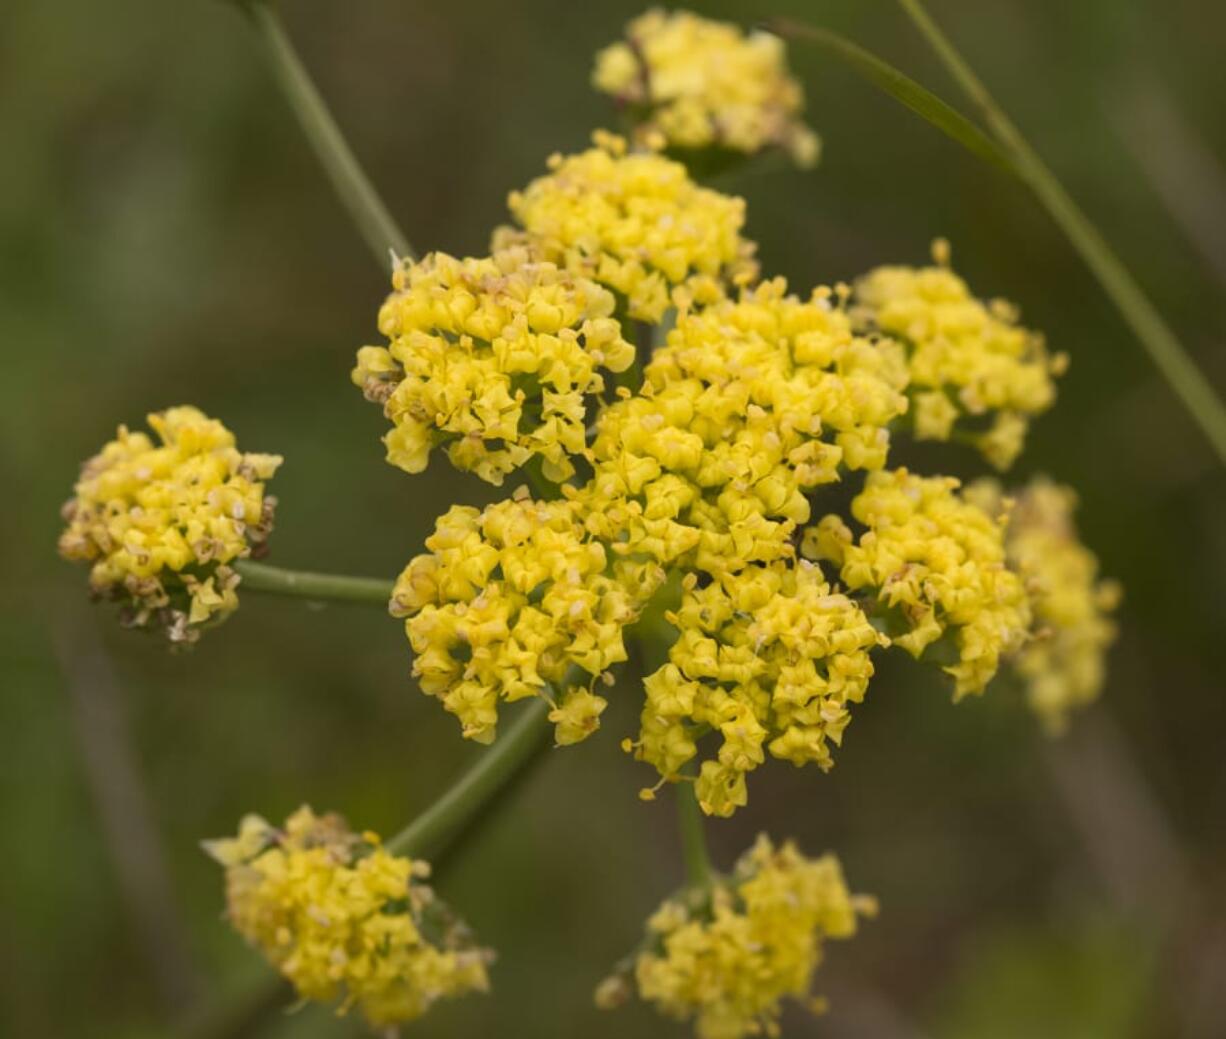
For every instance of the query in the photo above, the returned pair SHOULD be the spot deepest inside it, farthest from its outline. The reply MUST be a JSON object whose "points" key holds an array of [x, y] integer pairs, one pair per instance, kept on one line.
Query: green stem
{"points": [[261, 577], [1163, 347], [693, 838], [448, 816], [356, 192], [902, 88]]}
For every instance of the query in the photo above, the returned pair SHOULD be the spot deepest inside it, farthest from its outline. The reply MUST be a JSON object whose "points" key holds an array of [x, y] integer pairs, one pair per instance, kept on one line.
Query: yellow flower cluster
{"points": [[728, 957], [937, 564], [343, 919], [505, 604], [700, 479], [496, 356], [159, 523], [636, 223], [976, 374], [749, 406], [768, 657], [701, 84], [1063, 666]]}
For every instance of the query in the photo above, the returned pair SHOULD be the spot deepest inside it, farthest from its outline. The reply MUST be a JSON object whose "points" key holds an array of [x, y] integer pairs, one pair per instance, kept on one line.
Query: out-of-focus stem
{"points": [[693, 837], [366, 208], [902, 88], [261, 577], [1163, 347], [125, 812]]}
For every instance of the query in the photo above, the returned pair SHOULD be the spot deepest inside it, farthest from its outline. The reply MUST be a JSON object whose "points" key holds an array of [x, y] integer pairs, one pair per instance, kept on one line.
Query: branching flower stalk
{"points": [[678, 498], [308, 584]]}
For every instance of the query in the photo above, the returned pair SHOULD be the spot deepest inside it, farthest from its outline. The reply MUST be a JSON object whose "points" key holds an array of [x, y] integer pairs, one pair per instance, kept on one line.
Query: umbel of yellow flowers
{"points": [[637, 223], [496, 357], [682, 420], [1063, 665], [699, 485], [703, 84], [159, 523], [975, 372], [345, 920], [727, 956], [749, 406], [935, 565]]}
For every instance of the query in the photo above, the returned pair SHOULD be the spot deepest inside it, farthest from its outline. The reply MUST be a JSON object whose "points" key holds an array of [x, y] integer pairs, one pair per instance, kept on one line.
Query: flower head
{"points": [[161, 522], [975, 372], [701, 83], [514, 601], [749, 406], [727, 957], [769, 659], [1063, 666], [936, 563], [344, 919], [495, 357], [636, 223]]}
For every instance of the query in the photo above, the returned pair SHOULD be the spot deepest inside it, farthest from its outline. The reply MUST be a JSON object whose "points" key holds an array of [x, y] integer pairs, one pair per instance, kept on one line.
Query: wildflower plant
{"points": [[670, 429]]}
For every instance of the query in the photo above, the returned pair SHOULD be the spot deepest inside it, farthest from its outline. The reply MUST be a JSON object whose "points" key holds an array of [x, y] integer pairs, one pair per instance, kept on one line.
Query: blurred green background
{"points": [[165, 237]]}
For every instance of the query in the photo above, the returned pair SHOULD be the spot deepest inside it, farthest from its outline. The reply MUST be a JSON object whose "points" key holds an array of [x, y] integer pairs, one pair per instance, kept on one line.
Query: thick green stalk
{"points": [[261, 577], [366, 208], [1163, 347], [436, 827], [693, 837]]}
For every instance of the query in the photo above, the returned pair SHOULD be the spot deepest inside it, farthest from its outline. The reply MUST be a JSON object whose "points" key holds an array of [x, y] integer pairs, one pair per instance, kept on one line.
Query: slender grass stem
{"points": [[1163, 347], [304, 584], [901, 87], [436, 827], [358, 195], [693, 837]]}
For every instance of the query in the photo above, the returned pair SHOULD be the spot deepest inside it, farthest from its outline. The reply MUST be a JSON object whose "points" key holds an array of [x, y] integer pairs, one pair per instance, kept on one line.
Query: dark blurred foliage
{"points": [[165, 237]]}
